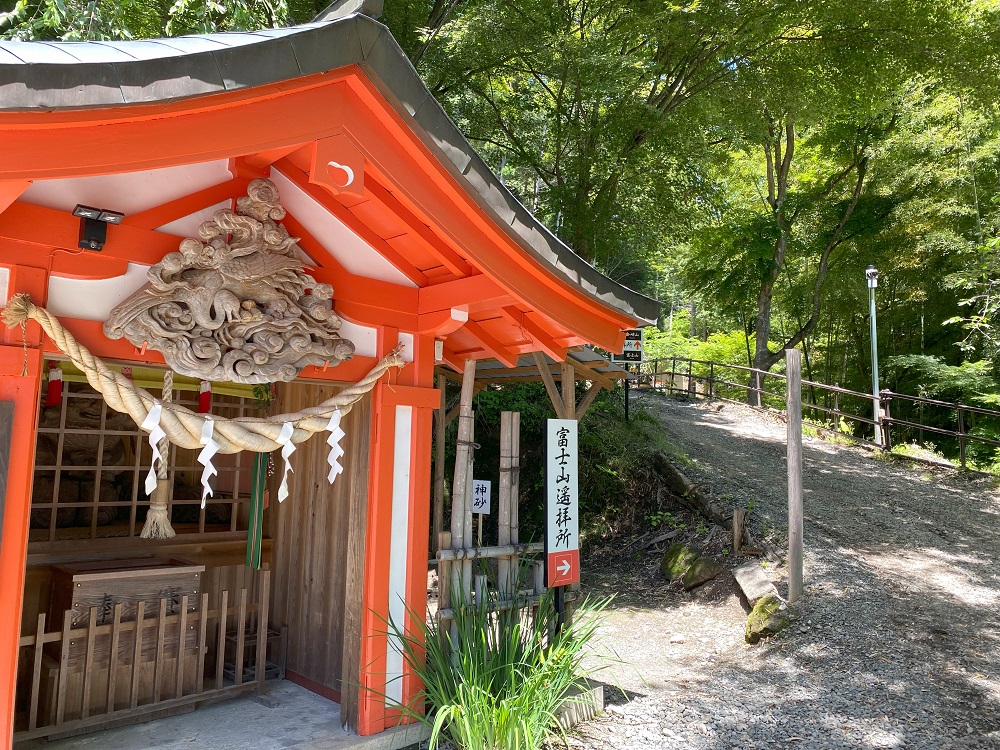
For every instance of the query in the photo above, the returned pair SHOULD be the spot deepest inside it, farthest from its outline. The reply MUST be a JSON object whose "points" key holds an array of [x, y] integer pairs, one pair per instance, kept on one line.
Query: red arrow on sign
{"points": [[563, 568]]}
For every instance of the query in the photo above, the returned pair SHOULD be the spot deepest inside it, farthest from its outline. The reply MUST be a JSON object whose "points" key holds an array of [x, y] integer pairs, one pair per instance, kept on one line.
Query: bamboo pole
{"points": [[504, 502], [793, 369], [461, 487]]}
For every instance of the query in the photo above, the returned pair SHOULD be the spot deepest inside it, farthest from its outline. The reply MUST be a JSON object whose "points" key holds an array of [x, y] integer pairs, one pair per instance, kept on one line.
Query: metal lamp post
{"points": [[871, 274]]}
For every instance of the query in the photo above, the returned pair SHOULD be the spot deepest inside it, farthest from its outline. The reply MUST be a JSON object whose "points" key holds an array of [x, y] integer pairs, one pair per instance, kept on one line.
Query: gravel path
{"points": [[897, 639]]}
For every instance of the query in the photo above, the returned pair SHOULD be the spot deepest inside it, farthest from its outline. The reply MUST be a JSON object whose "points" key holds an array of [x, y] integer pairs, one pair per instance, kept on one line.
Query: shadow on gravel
{"points": [[897, 641]]}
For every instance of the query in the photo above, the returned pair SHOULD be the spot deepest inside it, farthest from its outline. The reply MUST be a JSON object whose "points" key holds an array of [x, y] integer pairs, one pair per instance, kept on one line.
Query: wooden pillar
{"points": [[440, 429], [20, 384], [793, 371], [21, 391], [398, 521], [568, 378]]}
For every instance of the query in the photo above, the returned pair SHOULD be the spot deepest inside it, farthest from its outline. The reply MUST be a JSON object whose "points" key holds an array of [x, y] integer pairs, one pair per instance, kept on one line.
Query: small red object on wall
{"points": [[53, 392], [204, 397]]}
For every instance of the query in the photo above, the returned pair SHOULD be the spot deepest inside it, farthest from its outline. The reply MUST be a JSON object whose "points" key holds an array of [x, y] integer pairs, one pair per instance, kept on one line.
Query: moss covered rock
{"points": [[676, 561], [770, 615], [701, 571]]}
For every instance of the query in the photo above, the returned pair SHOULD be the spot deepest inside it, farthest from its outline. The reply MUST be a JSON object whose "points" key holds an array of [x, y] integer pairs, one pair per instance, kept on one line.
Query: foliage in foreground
{"points": [[500, 685]]}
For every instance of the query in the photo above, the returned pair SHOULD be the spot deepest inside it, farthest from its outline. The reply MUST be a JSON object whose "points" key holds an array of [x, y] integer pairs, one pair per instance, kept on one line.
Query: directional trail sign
{"points": [[632, 349], [562, 541]]}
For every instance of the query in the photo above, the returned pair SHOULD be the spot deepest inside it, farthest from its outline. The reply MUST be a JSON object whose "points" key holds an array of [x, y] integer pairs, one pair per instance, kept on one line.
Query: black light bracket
{"points": [[94, 225]]}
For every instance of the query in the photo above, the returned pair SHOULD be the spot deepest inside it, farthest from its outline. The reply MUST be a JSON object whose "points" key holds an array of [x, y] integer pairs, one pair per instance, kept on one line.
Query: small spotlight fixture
{"points": [[94, 225]]}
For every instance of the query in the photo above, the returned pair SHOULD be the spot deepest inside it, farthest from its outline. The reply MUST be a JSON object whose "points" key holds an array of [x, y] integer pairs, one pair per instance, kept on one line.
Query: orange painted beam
{"points": [[539, 336], [73, 264], [446, 254], [327, 199], [186, 205], [51, 228], [250, 121], [494, 346], [473, 294], [10, 191]]}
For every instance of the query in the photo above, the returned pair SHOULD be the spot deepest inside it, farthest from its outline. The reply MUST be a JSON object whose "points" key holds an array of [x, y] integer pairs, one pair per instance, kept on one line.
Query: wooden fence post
{"points": [[961, 436], [461, 487], [793, 395], [440, 427]]}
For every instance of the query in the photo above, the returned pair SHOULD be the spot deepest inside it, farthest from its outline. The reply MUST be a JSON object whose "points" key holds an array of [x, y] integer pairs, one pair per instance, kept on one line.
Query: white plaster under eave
{"points": [[128, 192], [4, 284], [352, 252], [93, 299]]}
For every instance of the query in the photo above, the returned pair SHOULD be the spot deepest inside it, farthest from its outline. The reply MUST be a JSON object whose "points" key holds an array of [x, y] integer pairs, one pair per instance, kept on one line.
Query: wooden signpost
{"points": [[562, 539]]}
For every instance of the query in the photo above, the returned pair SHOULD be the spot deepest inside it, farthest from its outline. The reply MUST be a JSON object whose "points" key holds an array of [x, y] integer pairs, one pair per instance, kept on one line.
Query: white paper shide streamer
{"points": [[152, 425], [205, 459], [287, 449], [336, 450]]}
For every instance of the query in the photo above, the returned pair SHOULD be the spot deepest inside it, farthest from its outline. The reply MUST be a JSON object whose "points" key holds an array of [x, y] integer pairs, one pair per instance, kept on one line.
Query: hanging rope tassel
{"points": [[157, 524], [255, 524]]}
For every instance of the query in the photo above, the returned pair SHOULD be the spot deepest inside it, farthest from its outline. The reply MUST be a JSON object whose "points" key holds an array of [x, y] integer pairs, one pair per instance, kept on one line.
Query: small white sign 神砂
{"points": [[481, 496], [562, 542]]}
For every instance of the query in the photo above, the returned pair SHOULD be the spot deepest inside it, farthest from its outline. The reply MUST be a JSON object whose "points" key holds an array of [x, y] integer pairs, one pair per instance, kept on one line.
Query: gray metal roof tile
{"points": [[191, 45], [315, 53], [190, 75], [7, 57], [140, 50], [398, 78], [257, 64], [40, 53], [442, 131], [90, 52]]}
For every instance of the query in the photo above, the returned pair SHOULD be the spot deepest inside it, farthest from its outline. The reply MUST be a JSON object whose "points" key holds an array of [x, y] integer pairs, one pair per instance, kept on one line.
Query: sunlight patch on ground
{"points": [[934, 571]]}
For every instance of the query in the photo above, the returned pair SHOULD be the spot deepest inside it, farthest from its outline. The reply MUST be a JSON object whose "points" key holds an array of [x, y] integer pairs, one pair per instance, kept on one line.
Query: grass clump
{"points": [[500, 683]]}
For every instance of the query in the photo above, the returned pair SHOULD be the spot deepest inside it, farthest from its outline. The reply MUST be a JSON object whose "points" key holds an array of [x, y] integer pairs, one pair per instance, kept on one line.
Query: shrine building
{"points": [[151, 196]]}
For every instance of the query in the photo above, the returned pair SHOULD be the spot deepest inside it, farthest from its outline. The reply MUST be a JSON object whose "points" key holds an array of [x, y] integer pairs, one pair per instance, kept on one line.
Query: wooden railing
{"points": [[168, 656], [901, 417]]}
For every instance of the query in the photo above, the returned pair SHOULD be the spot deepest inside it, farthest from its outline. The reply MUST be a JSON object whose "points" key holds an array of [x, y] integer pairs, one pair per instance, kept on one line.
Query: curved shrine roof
{"points": [[50, 76]]}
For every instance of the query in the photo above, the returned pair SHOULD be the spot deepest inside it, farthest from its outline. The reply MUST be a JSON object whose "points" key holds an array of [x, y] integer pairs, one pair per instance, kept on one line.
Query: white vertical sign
{"points": [[562, 542], [481, 496]]}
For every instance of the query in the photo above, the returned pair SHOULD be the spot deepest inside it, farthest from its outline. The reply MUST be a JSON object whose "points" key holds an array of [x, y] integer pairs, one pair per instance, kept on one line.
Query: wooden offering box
{"points": [[80, 586]]}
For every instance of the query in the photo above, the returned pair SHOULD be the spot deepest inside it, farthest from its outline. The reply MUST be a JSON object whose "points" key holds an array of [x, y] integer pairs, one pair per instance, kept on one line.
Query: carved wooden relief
{"points": [[236, 304]]}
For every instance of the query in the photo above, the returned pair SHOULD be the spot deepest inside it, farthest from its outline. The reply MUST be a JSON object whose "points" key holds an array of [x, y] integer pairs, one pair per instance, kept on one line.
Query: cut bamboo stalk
{"points": [[503, 502], [133, 695], [36, 673], [88, 662], [220, 644], [478, 553], [116, 624], [199, 674], [241, 636], [182, 625], [461, 494], [64, 646], [161, 632], [262, 615]]}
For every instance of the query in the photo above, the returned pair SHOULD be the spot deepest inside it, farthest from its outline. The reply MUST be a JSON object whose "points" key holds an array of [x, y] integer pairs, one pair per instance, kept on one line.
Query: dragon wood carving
{"points": [[236, 304]]}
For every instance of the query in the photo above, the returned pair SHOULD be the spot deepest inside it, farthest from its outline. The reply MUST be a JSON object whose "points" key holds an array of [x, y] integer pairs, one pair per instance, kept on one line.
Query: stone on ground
{"points": [[682, 563], [676, 561], [701, 571], [769, 616], [753, 583]]}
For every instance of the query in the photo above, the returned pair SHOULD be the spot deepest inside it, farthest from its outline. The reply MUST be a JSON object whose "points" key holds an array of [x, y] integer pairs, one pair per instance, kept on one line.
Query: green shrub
{"points": [[499, 687]]}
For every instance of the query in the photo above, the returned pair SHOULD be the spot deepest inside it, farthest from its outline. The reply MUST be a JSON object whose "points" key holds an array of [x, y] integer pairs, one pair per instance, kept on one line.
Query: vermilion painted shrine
{"points": [[407, 243]]}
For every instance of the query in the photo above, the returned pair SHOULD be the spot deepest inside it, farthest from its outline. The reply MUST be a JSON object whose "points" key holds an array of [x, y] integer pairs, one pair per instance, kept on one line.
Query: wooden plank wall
{"points": [[310, 539]]}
